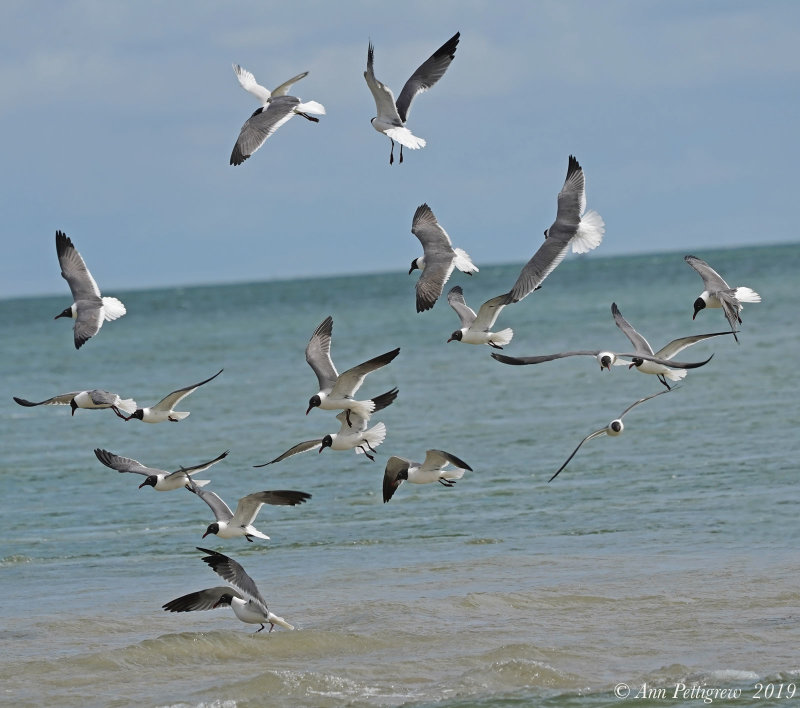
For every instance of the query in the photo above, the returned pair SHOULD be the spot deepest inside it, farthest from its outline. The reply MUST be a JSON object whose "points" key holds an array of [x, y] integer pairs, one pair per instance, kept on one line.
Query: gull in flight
{"points": [[438, 260], [573, 228], [392, 115], [427, 472], [475, 329], [614, 428], [96, 398], [89, 309], [230, 524], [353, 433], [276, 108], [336, 390], [718, 293], [163, 410], [160, 480], [642, 349], [242, 595]]}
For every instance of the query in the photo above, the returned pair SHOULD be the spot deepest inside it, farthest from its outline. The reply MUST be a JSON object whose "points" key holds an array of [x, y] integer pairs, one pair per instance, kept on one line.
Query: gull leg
{"points": [[664, 381], [391, 154], [347, 417], [117, 411], [308, 117], [401, 154], [258, 630], [361, 447], [271, 627], [496, 346]]}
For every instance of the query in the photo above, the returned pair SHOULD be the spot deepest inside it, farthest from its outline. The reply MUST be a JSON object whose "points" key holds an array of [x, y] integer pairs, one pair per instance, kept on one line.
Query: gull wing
{"points": [[489, 312], [571, 203], [248, 507], [201, 467], [439, 257], [426, 75], [173, 399], [712, 280], [595, 434], [350, 381], [201, 600], [523, 360], [283, 89], [125, 464], [222, 512], [261, 125], [541, 264], [248, 82], [62, 400], [437, 459], [646, 398], [678, 345], [300, 447], [465, 313], [394, 466], [640, 344], [318, 355], [384, 98], [74, 270], [231, 571]]}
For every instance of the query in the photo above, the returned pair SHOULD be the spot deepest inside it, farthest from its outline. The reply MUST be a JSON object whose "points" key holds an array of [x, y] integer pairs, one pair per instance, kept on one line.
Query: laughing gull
{"points": [[160, 480], [96, 398], [89, 309], [244, 597], [718, 293], [642, 347], [392, 115], [163, 409], [353, 433], [336, 390], [431, 470], [276, 108], [233, 525], [438, 260], [614, 428], [475, 329], [572, 228]]}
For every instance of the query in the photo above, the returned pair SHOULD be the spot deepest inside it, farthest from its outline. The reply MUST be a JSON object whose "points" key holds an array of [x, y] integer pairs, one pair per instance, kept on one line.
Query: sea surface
{"points": [[660, 562]]}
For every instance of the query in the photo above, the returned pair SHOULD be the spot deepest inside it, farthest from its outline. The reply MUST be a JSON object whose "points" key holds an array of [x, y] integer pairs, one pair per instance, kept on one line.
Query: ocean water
{"points": [[661, 562]]}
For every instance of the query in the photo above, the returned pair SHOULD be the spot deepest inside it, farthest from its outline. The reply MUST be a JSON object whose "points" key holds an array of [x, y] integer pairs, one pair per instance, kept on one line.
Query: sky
{"points": [[118, 120]]}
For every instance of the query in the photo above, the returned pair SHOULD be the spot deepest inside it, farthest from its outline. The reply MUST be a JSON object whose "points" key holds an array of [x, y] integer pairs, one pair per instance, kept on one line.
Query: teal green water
{"points": [[665, 556]]}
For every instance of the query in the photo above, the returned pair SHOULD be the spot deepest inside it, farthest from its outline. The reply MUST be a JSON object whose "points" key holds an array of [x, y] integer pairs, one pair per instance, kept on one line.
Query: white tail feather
{"points": [[274, 619], [201, 482], [745, 294], [463, 262], [311, 107], [128, 405], [590, 233], [457, 473], [374, 436], [503, 336], [675, 374], [405, 137], [112, 309]]}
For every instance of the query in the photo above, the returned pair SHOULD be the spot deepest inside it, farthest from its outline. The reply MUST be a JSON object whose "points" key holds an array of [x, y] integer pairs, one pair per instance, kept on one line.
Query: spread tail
{"points": [[112, 309], [463, 262], [502, 337], [745, 294], [590, 233]]}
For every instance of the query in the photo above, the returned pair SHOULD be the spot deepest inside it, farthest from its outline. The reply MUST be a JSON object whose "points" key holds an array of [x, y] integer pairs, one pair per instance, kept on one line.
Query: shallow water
{"points": [[665, 556]]}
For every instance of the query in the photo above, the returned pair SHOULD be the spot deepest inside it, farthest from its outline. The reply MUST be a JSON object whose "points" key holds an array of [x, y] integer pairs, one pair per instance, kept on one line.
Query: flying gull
{"points": [[233, 525], [336, 390], [476, 329], [572, 228], [438, 260], [354, 434], [89, 309], [276, 108], [642, 348], [163, 409], [718, 293], [243, 597], [614, 428], [96, 398], [392, 115], [160, 480], [431, 470]]}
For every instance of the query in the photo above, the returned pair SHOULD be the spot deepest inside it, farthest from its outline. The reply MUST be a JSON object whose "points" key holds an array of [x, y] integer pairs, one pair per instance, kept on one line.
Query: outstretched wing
{"points": [[384, 98], [394, 466], [124, 464], [350, 381], [202, 466], [231, 571], [248, 507], [646, 398], [640, 344], [248, 82], [426, 75], [62, 400], [678, 345], [595, 434], [222, 511], [437, 459], [259, 126], [489, 312], [318, 354], [201, 600], [300, 447], [465, 313], [712, 281], [170, 401]]}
